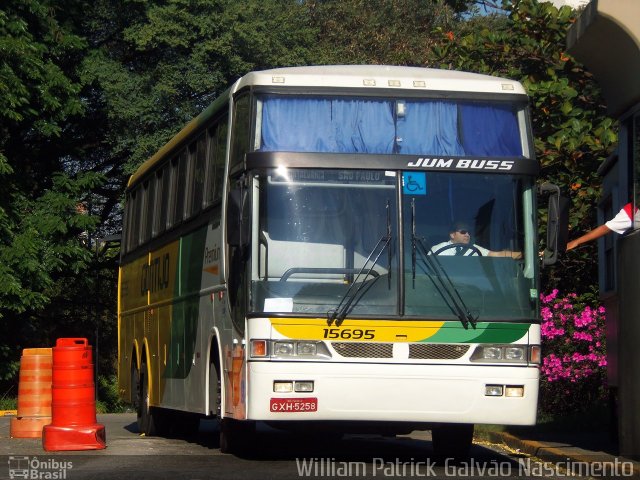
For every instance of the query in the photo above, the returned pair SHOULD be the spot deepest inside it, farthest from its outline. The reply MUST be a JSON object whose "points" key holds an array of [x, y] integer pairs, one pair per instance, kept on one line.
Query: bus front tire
{"points": [[453, 440], [215, 396], [236, 436]]}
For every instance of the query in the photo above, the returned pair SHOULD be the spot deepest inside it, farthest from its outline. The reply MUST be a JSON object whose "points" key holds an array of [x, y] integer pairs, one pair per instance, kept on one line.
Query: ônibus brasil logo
{"points": [[33, 468]]}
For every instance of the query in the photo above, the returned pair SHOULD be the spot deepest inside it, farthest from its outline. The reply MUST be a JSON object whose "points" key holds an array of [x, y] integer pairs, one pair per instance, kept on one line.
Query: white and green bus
{"points": [[277, 260]]}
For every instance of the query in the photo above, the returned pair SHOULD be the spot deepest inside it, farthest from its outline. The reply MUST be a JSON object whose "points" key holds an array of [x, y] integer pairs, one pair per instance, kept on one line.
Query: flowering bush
{"points": [[573, 370]]}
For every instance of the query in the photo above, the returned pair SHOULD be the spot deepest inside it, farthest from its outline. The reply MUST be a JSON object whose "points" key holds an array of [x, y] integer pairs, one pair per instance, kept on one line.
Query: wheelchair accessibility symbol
{"points": [[414, 183]]}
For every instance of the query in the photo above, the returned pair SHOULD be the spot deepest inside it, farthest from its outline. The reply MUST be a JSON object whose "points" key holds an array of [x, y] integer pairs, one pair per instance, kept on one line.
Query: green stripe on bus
{"points": [[484, 332], [184, 323]]}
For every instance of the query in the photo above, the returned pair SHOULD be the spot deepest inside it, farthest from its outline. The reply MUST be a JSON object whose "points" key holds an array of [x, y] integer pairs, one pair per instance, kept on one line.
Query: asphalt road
{"points": [[277, 455]]}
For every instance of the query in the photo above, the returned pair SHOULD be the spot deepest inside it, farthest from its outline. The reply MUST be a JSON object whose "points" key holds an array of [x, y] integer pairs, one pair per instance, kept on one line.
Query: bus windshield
{"points": [[469, 239], [328, 240]]}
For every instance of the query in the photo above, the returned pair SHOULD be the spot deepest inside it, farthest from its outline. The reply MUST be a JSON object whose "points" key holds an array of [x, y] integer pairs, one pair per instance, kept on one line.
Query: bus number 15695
{"points": [[349, 333]]}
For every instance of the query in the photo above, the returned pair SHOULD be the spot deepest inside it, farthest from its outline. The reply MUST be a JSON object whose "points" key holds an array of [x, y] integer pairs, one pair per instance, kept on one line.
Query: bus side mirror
{"points": [[557, 223], [238, 218]]}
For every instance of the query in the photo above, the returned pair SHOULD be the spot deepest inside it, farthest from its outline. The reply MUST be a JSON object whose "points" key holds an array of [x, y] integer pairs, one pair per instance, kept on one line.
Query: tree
{"points": [[378, 32], [40, 224], [161, 63]]}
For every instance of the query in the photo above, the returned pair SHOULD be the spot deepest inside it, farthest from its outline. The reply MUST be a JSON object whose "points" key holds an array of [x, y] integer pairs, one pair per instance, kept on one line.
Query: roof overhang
{"points": [[606, 39]]}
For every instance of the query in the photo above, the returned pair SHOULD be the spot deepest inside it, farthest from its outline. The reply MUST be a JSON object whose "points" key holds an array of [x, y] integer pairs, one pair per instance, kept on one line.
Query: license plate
{"points": [[294, 405]]}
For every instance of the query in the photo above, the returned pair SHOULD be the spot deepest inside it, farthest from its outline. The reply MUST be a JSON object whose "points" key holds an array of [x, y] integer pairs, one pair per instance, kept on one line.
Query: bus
{"points": [[278, 266]]}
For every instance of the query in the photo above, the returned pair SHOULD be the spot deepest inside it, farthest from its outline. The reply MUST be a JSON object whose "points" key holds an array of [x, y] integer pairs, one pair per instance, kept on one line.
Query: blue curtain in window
{"points": [[363, 126], [429, 128], [489, 130], [318, 125], [295, 125]]}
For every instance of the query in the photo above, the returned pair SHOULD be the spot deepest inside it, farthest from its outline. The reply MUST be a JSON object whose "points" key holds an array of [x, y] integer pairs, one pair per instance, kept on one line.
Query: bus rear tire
{"points": [[452, 440], [151, 420], [142, 401]]}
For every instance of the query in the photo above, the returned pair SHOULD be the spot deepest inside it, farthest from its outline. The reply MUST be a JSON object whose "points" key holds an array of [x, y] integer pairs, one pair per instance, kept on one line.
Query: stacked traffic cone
{"points": [[74, 425], [34, 394]]}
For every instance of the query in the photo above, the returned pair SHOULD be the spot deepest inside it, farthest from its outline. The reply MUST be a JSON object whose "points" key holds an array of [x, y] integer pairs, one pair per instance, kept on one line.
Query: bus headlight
{"points": [[516, 354], [506, 354], [491, 353], [283, 349], [307, 348]]}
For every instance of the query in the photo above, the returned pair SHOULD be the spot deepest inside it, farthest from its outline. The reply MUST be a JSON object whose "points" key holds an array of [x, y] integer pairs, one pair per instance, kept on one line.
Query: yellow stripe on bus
{"points": [[356, 330]]}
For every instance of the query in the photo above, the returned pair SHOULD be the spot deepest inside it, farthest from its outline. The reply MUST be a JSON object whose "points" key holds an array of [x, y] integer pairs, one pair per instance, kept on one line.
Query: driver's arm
{"points": [[506, 253]]}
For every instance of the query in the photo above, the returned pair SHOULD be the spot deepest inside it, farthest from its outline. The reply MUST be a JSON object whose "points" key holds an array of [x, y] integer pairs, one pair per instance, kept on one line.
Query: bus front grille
{"points": [[417, 351], [440, 351], [363, 350]]}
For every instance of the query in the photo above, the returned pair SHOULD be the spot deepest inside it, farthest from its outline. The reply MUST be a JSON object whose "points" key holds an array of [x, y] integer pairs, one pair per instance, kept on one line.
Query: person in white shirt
{"points": [[622, 222], [459, 243]]}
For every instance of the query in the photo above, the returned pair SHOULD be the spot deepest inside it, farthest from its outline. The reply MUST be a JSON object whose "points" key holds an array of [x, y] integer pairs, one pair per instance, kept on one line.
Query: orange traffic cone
{"points": [[34, 394], [74, 425]]}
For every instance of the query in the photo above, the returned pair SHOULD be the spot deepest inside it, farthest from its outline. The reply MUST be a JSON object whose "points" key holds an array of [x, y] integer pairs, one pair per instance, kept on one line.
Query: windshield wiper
{"points": [[440, 279], [347, 302]]}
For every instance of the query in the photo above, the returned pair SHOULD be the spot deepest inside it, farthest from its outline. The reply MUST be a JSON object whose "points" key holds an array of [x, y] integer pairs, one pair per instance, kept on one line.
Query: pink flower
{"points": [[582, 336], [572, 334]]}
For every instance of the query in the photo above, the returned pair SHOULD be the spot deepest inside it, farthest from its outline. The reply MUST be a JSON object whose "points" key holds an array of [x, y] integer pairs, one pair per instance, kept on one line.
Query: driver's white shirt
{"points": [[452, 250]]}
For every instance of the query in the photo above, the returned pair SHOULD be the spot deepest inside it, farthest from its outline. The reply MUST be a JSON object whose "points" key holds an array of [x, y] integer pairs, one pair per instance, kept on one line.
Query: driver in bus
{"points": [[459, 243]]}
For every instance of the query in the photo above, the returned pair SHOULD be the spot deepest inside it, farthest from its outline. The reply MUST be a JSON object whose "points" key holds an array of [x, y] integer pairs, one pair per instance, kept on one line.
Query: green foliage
{"points": [[108, 399], [10, 370], [164, 62], [8, 403], [40, 227], [33, 86], [43, 240], [378, 32]]}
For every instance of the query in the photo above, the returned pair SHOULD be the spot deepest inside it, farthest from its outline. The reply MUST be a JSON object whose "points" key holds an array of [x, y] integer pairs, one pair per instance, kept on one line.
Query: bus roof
{"points": [[380, 76], [344, 76]]}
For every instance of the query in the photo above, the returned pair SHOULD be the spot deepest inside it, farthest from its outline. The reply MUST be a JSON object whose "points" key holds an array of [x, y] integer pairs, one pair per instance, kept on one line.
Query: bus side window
{"points": [[217, 140], [160, 215], [238, 236], [148, 211], [179, 184], [198, 175], [188, 183], [220, 158], [171, 198], [211, 165], [240, 132], [134, 223], [128, 213], [165, 217]]}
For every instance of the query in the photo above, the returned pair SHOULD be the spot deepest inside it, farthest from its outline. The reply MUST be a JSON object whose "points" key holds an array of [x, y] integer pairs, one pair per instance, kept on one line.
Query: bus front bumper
{"points": [[392, 393]]}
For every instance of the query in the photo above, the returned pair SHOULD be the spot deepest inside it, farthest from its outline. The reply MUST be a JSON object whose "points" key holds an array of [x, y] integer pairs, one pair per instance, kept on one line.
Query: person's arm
{"points": [[502, 253], [506, 253], [597, 232]]}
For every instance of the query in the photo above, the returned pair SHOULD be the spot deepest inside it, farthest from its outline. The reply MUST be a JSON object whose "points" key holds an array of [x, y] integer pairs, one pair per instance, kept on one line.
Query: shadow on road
{"points": [[269, 444]]}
